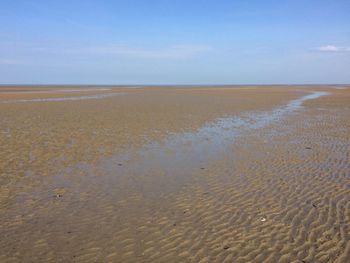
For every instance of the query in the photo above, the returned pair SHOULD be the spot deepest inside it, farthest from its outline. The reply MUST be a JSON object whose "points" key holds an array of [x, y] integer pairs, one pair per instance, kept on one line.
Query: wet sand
{"points": [[180, 174]]}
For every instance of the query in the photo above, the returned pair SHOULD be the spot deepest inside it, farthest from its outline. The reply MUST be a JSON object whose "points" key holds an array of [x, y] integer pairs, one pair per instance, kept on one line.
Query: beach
{"points": [[175, 174]]}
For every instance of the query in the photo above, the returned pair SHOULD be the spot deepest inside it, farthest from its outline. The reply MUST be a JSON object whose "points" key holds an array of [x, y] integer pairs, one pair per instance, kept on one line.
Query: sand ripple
{"points": [[276, 191]]}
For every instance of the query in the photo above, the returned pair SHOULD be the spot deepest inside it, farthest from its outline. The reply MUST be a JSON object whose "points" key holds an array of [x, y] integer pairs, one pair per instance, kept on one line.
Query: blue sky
{"points": [[174, 42]]}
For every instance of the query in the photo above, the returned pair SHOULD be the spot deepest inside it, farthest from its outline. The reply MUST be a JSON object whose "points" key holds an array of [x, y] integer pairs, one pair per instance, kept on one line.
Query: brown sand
{"points": [[84, 181]]}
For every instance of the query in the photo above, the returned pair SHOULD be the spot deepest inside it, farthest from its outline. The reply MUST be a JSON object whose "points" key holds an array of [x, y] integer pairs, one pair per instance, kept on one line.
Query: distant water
{"points": [[86, 97], [54, 90]]}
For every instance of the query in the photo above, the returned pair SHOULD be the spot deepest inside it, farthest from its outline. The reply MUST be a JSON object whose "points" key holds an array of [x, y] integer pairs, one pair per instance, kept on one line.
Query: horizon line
{"points": [[169, 84]]}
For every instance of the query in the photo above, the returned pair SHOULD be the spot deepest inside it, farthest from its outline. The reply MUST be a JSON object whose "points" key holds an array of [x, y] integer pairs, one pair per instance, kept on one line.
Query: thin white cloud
{"points": [[331, 48]]}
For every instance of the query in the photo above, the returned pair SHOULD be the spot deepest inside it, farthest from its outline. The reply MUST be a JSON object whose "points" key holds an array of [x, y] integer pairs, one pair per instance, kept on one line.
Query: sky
{"points": [[175, 42]]}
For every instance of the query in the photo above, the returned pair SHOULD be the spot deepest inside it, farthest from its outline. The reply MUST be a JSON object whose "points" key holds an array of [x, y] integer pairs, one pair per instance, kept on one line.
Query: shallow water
{"points": [[184, 152]]}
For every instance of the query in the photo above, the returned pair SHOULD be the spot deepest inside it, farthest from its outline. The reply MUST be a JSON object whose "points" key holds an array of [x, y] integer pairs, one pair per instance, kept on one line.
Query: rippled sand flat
{"points": [[180, 174]]}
